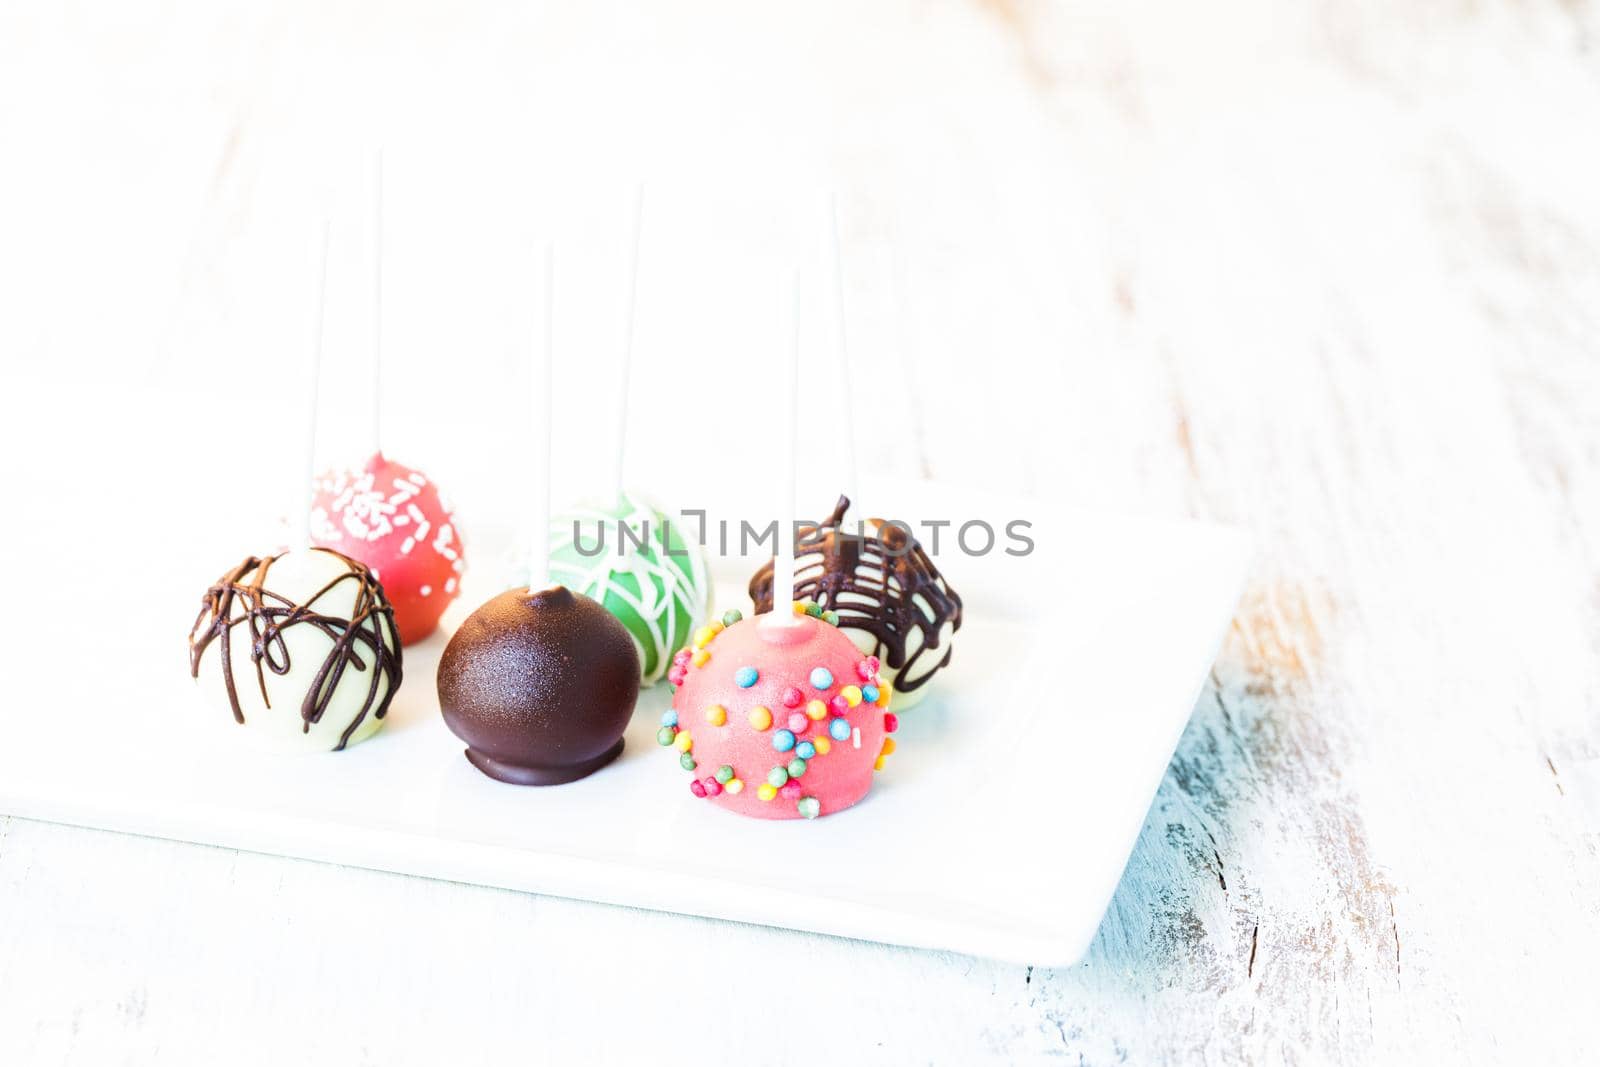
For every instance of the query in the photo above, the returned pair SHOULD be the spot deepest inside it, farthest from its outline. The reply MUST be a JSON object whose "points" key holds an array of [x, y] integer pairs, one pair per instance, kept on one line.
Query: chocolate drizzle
{"points": [[357, 640], [882, 583]]}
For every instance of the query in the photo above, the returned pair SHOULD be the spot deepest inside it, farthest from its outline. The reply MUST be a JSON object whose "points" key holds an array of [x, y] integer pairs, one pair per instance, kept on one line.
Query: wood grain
{"points": [[1327, 271]]}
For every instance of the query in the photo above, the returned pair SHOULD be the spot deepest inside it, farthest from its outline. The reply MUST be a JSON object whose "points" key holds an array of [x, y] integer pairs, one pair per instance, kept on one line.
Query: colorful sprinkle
{"points": [[869, 693], [734, 786], [821, 677], [805, 750], [809, 807], [669, 717], [878, 763], [868, 668], [884, 691], [676, 675], [717, 715], [816, 710], [888, 746], [700, 658], [796, 768], [731, 616], [798, 723], [665, 735], [839, 729], [686, 761], [724, 773], [766, 791], [684, 741], [839, 704], [783, 740], [706, 634], [681, 657], [822, 743], [745, 677], [790, 791], [777, 777], [697, 787], [813, 609], [792, 697], [852, 695], [760, 718], [891, 722], [831, 618], [713, 787]]}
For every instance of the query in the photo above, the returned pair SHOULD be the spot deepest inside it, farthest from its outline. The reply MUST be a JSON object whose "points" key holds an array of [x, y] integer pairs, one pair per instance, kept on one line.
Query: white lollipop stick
{"points": [[539, 420], [625, 371], [788, 367], [377, 302], [847, 396], [313, 381]]}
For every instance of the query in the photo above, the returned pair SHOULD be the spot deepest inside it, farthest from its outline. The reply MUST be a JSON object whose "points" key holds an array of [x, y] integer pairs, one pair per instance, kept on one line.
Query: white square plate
{"points": [[1000, 827]]}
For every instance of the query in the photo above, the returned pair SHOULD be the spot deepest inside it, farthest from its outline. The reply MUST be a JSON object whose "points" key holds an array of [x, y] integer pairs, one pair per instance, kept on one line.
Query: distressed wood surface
{"points": [[1330, 272]]}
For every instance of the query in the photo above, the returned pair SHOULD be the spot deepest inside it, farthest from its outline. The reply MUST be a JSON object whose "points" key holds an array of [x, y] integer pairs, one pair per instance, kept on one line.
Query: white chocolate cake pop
{"points": [[884, 593], [302, 647]]}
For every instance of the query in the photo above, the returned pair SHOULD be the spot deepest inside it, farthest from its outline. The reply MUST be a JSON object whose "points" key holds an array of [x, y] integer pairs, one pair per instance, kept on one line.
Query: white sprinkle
{"points": [[427, 589], [449, 585], [410, 543], [855, 737]]}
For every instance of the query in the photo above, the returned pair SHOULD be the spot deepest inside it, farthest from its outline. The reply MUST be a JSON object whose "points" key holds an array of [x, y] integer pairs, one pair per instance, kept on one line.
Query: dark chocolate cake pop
{"points": [[885, 591], [540, 686]]}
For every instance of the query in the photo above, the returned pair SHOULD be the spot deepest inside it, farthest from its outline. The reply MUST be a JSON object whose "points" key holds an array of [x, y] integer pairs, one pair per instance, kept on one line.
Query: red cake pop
{"points": [[778, 722], [392, 518]]}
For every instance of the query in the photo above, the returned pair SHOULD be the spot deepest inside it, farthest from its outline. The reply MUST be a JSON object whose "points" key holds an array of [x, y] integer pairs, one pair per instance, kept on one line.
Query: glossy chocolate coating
{"points": [[540, 686]]}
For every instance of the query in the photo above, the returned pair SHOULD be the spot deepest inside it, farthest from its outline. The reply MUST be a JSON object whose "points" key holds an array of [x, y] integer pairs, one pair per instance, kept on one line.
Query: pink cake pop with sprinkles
{"points": [[779, 717], [778, 721]]}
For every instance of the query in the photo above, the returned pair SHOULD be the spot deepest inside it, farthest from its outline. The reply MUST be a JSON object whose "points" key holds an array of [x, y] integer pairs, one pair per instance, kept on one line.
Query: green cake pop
{"points": [[631, 558], [655, 582]]}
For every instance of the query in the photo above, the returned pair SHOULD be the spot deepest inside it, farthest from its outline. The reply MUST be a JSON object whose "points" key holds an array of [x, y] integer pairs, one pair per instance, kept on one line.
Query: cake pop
{"points": [[540, 682], [385, 514], [653, 581], [315, 631], [886, 593], [312, 624], [393, 519], [540, 685], [781, 717], [775, 721]]}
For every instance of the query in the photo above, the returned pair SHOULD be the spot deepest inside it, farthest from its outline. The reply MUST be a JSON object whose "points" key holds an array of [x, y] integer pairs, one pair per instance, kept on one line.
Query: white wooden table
{"points": [[1327, 271]]}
